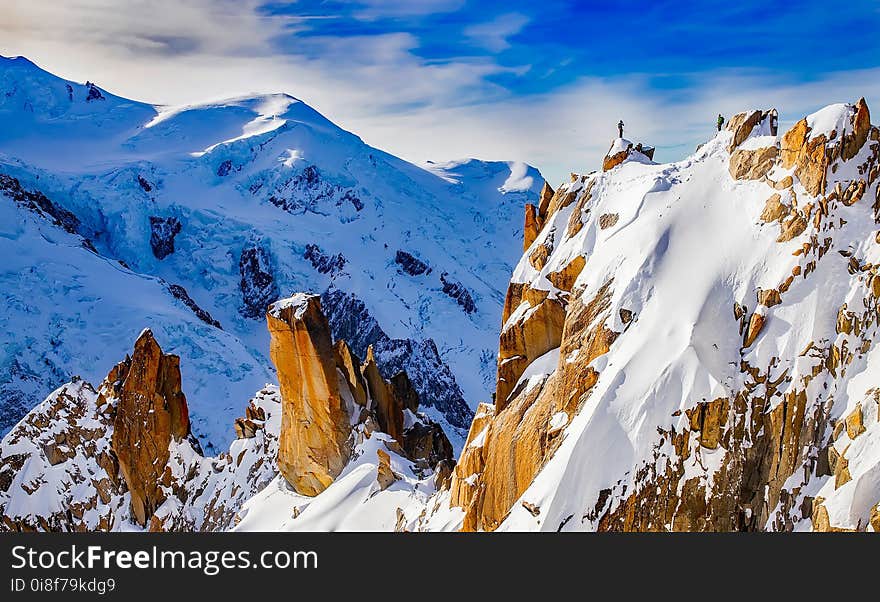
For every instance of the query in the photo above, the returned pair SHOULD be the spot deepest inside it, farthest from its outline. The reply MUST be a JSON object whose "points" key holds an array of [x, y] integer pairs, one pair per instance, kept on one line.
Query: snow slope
{"points": [[238, 203], [687, 245]]}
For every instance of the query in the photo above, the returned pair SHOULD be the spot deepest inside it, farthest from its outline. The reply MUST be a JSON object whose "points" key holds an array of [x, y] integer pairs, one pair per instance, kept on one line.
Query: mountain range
{"points": [[191, 220], [684, 346]]}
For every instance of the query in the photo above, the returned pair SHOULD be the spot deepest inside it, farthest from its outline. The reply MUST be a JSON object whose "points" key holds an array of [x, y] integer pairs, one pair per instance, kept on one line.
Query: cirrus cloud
{"points": [[442, 79]]}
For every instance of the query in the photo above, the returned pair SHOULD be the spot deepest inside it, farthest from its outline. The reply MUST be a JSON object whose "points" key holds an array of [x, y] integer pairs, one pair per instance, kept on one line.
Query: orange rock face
{"points": [[544, 203], [807, 156], [742, 125], [466, 485], [388, 408], [537, 331], [510, 443], [612, 161], [774, 209], [316, 378], [861, 128], [531, 227], [756, 323], [752, 164], [384, 474], [315, 424], [150, 413], [564, 279], [350, 366]]}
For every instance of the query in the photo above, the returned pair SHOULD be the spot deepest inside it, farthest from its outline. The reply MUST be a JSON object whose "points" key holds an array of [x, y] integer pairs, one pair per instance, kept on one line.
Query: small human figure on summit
{"points": [[720, 121], [620, 128]]}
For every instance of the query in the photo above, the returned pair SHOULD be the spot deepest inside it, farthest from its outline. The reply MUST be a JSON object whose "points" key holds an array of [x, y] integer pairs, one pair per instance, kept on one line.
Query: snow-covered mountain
{"points": [[692, 346], [683, 346], [118, 215]]}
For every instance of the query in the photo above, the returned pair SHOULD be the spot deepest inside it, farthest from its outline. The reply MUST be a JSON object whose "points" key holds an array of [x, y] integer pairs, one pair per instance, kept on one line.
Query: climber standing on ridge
{"points": [[720, 121], [620, 128]]}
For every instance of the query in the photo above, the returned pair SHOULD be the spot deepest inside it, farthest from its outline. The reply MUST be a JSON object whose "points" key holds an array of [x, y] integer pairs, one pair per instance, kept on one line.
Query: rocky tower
{"points": [[690, 346], [94, 458], [326, 390], [316, 423], [151, 412]]}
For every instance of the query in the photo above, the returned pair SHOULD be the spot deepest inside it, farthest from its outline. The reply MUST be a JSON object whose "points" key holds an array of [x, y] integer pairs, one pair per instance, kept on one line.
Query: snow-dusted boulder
{"points": [[623, 150]]}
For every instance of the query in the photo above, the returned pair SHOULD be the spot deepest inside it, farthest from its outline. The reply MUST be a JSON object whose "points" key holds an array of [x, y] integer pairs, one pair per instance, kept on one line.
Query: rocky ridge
{"points": [[122, 456]]}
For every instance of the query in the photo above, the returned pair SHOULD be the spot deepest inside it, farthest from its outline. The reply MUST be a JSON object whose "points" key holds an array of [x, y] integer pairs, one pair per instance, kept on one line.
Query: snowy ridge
{"points": [[687, 252]]}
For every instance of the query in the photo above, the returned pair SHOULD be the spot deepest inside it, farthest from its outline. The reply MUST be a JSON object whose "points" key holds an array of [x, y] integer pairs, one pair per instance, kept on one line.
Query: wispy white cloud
{"points": [[145, 27], [493, 35], [374, 9], [571, 129], [379, 87]]}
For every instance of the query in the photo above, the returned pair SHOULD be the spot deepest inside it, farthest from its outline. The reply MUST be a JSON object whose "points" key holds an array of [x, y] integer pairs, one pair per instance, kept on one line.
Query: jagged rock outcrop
{"points": [[326, 390], [151, 413], [94, 93], [351, 370], [459, 293], [531, 227], [257, 284], [385, 474], [41, 456], [426, 444], [94, 458], [411, 264], [524, 429], [145, 184], [162, 233], [389, 409], [324, 263], [752, 163], [224, 168], [178, 292], [316, 421], [810, 153], [529, 333], [431, 378], [622, 150], [536, 216], [741, 125]]}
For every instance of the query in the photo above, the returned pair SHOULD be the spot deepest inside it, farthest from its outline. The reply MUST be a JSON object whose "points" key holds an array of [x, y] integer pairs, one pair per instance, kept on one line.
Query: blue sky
{"points": [[549, 44], [542, 82]]}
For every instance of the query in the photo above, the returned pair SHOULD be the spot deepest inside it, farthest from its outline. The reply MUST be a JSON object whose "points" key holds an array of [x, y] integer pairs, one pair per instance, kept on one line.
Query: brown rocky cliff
{"points": [[510, 442], [316, 378], [150, 412], [315, 424], [388, 408], [519, 434]]}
